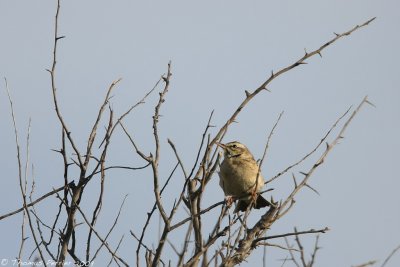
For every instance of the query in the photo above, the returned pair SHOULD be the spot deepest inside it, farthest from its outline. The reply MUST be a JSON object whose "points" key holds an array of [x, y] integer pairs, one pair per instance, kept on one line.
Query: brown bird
{"points": [[240, 178]]}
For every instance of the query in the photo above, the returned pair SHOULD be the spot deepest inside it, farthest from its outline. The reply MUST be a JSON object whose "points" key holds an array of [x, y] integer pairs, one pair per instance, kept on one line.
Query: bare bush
{"points": [[233, 238]]}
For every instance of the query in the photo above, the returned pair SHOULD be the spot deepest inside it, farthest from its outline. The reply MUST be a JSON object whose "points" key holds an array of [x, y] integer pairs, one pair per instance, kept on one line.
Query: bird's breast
{"points": [[238, 177]]}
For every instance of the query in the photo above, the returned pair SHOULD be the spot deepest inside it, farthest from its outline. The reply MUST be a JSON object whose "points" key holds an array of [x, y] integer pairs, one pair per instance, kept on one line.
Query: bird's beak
{"points": [[221, 145]]}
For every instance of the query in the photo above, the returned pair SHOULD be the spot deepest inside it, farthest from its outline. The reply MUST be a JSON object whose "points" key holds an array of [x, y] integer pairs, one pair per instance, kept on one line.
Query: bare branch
{"points": [[296, 233], [54, 88], [93, 133], [273, 76], [36, 201], [316, 248], [390, 256], [178, 158], [292, 258], [111, 229], [141, 101], [149, 215], [370, 263], [202, 142], [196, 215], [154, 165], [322, 157], [22, 184], [103, 241], [322, 141], [301, 248]]}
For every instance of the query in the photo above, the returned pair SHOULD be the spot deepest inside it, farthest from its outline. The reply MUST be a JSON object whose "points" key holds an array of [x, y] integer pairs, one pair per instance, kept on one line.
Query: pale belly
{"points": [[239, 181]]}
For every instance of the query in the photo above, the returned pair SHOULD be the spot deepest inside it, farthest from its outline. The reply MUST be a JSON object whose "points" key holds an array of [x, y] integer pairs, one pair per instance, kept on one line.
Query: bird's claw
{"points": [[254, 196], [229, 200]]}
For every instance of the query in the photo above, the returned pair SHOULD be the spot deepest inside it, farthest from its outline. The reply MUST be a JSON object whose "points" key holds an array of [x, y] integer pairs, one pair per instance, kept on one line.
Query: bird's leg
{"points": [[254, 196], [229, 200]]}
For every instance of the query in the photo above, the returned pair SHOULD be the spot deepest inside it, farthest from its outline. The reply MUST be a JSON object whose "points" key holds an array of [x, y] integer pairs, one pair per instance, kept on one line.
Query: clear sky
{"points": [[218, 49]]}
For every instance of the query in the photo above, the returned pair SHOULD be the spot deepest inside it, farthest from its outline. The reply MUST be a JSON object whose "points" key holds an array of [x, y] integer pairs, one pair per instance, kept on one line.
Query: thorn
{"points": [[315, 191], [299, 63], [272, 73], [60, 37], [305, 174], [247, 93], [369, 21], [368, 102], [305, 51], [327, 145], [317, 164], [319, 53], [294, 180], [336, 34]]}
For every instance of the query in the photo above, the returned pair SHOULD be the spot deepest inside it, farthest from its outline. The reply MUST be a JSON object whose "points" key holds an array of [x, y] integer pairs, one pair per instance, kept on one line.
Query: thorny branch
{"points": [[239, 243], [277, 211]]}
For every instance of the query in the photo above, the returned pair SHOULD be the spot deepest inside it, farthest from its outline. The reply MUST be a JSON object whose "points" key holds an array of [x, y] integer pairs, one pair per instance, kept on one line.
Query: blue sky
{"points": [[218, 50]]}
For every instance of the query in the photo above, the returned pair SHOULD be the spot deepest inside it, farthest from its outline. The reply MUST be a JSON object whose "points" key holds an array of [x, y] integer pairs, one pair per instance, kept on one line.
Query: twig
{"points": [[150, 214], [390, 256], [97, 234], [296, 233], [313, 150], [291, 253], [266, 244], [320, 161], [35, 202], [316, 248], [201, 143], [52, 72], [173, 227], [21, 184], [184, 250], [154, 164], [93, 133], [99, 204], [115, 251], [370, 263], [178, 158], [301, 248], [144, 245], [111, 229], [263, 86]]}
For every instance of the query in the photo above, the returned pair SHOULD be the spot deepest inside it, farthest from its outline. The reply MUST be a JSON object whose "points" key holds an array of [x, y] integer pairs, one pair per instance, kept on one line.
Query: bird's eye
{"points": [[234, 146]]}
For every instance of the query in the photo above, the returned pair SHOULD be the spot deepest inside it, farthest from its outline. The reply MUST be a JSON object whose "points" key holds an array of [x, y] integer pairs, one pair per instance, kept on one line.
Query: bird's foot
{"points": [[254, 196], [229, 200]]}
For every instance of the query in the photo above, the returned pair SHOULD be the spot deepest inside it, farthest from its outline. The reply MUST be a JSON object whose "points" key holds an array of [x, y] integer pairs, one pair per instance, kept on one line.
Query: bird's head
{"points": [[235, 149]]}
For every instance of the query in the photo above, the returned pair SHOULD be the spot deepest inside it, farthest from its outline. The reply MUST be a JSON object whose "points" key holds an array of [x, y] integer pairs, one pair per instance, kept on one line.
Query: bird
{"points": [[240, 177]]}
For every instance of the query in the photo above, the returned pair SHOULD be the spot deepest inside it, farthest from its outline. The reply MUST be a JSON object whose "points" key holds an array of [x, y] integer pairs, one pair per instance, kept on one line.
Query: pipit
{"points": [[240, 178]]}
